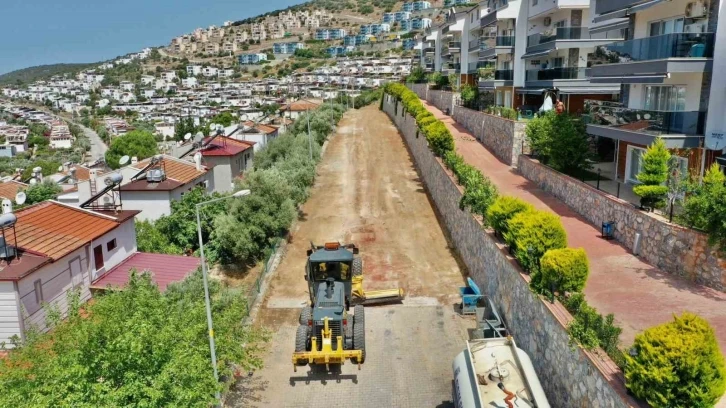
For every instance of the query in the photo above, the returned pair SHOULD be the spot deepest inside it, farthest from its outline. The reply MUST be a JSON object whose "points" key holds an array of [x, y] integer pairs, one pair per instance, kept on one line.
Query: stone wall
{"points": [[420, 89], [672, 248], [502, 136], [570, 376], [442, 99]]}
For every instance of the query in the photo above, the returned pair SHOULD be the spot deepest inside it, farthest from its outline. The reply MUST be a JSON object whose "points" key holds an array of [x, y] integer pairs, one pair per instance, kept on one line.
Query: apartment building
{"points": [[258, 32], [339, 50], [454, 3], [246, 59], [415, 24], [374, 29], [670, 83], [325, 34], [416, 6], [194, 70], [287, 47], [229, 46]]}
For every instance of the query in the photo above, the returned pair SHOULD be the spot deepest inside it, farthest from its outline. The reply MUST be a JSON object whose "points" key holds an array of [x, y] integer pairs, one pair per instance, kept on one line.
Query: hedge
{"points": [[533, 233], [677, 364], [562, 270], [503, 209]]}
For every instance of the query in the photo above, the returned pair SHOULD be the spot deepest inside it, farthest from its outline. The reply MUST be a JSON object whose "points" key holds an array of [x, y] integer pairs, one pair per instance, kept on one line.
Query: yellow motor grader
{"points": [[329, 333]]}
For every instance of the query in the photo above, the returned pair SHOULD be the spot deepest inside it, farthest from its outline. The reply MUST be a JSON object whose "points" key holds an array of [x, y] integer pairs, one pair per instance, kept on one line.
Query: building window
{"points": [[111, 245], [666, 98], [38, 286], [633, 164], [534, 3], [673, 25]]}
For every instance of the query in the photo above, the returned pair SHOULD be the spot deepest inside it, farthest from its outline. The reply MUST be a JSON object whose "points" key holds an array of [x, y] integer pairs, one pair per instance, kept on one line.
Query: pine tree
{"points": [[652, 189]]}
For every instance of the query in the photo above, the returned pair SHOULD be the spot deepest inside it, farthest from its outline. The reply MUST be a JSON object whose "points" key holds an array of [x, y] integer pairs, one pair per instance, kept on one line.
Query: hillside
{"points": [[31, 74]]}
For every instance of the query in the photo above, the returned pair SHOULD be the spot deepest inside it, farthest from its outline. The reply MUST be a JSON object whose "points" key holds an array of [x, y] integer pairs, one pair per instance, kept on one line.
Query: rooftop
{"points": [[10, 188], [178, 173], [165, 269], [226, 146]]}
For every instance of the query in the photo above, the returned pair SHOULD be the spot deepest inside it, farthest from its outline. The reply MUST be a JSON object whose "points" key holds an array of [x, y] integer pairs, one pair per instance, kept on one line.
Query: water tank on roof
{"points": [[155, 176], [6, 251]]}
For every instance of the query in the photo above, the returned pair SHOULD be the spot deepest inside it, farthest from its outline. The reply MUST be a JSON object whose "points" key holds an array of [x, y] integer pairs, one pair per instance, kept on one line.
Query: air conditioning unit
{"points": [[547, 21], [696, 28], [696, 9]]}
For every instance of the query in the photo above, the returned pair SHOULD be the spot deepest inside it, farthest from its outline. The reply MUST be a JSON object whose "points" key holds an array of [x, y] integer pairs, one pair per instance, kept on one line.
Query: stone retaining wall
{"points": [[420, 89], [504, 137], [672, 248], [443, 100], [570, 377]]}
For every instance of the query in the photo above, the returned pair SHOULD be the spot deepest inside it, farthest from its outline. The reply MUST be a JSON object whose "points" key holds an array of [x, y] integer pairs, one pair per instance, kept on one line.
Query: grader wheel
{"points": [[359, 333]]}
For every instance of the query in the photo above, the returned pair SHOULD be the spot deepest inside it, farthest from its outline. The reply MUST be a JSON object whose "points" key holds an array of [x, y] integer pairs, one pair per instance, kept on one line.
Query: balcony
{"points": [[429, 50], [490, 78], [474, 45], [454, 46], [679, 129], [451, 66], [653, 57], [553, 74], [491, 46], [563, 38]]}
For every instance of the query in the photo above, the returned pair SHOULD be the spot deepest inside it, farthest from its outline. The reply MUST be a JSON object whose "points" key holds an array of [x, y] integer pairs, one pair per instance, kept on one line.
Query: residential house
{"points": [[670, 77], [416, 6], [246, 59], [287, 47], [256, 133], [229, 157], [194, 70], [150, 187]]}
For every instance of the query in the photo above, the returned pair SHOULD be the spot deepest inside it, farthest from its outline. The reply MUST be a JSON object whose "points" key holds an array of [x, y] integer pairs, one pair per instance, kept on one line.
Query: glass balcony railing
{"points": [[474, 44], [454, 45], [556, 73], [560, 33], [496, 74], [498, 41], [616, 115], [452, 66], [677, 45]]}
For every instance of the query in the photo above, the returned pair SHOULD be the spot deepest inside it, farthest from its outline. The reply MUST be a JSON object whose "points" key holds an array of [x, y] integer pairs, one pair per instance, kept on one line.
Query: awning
{"points": [[625, 12], [535, 54], [614, 24], [630, 79], [530, 91], [588, 90]]}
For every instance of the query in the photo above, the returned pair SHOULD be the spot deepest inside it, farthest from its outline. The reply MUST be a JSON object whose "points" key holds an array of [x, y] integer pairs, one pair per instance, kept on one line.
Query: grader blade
{"points": [[369, 297]]}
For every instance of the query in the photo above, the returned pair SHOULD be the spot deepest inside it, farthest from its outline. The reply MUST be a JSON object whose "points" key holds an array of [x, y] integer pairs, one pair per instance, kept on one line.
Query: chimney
{"points": [[134, 160]]}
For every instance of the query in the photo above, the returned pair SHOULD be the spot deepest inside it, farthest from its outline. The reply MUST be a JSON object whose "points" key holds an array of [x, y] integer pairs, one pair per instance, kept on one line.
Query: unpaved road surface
{"points": [[367, 192]]}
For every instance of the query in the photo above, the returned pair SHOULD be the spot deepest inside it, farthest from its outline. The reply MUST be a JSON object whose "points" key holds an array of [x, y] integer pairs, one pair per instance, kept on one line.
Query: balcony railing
{"points": [[452, 66], [474, 44], [616, 115], [454, 46], [429, 50], [560, 33], [556, 73], [498, 41], [677, 45], [496, 75]]}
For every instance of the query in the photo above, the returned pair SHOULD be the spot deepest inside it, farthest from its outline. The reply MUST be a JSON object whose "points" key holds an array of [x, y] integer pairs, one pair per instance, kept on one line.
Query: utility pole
{"points": [[310, 139]]}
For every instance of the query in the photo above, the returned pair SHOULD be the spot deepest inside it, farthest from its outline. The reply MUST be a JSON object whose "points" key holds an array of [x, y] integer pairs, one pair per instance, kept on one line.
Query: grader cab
{"points": [[329, 333]]}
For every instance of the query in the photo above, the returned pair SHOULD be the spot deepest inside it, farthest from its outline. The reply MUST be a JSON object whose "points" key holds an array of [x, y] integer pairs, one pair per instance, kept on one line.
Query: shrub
{"points": [[539, 133], [439, 138], [561, 270], [533, 233], [705, 206], [569, 150], [590, 329], [652, 191], [452, 160], [479, 194], [503, 209], [427, 120], [677, 364]]}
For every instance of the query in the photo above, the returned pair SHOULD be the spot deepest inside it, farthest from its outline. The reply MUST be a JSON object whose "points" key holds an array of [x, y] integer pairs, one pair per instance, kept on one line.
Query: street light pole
{"points": [[310, 139], [212, 347]]}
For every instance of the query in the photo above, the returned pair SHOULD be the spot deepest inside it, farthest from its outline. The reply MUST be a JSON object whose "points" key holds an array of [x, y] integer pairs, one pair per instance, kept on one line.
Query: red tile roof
{"points": [[165, 269], [226, 146], [262, 128], [178, 173], [55, 230], [10, 188]]}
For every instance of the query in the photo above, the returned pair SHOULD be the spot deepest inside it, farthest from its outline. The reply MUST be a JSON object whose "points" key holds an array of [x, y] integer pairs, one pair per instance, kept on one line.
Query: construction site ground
{"points": [[367, 192]]}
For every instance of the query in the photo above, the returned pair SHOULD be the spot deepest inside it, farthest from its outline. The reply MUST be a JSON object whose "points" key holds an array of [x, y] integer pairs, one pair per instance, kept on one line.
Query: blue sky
{"points": [[37, 32]]}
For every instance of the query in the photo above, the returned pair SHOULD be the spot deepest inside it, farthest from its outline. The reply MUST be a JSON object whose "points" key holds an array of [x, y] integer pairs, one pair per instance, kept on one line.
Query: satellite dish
{"points": [[187, 136], [20, 198], [198, 137], [123, 160], [60, 168]]}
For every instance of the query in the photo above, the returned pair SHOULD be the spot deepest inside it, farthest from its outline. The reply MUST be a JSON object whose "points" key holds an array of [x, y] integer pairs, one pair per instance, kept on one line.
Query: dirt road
{"points": [[367, 192]]}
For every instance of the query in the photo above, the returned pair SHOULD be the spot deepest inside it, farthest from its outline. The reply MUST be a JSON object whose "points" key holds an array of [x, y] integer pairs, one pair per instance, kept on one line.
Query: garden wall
{"points": [[570, 376], [672, 248], [504, 137], [442, 99], [420, 89]]}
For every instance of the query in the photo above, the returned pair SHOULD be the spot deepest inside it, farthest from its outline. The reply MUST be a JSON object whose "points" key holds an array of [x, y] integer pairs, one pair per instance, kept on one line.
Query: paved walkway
{"points": [[639, 294]]}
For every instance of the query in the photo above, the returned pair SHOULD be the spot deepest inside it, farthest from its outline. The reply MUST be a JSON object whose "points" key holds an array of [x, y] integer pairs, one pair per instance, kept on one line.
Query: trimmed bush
{"points": [[677, 364], [503, 209], [479, 194], [652, 191], [533, 233], [561, 270], [439, 138], [453, 161], [590, 329]]}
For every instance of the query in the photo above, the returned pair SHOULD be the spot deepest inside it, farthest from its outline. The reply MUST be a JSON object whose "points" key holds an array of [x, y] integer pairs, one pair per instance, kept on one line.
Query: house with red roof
{"points": [[257, 133], [229, 158], [53, 249]]}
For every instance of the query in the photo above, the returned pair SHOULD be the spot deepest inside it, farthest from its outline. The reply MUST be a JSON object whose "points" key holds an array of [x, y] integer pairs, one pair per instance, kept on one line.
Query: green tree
{"points": [[138, 143], [539, 133], [677, 364], [469, 95], [569, 150], [150, 239], [180, 226], [705, 206], [48, 167], [417, 75], [224, 118], [47, 190], [652, 189], [134, 347]]}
